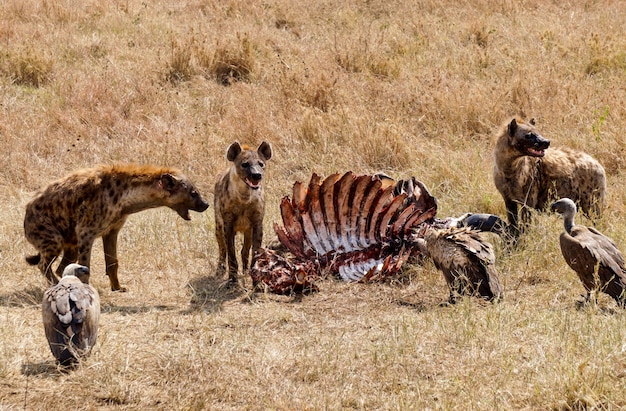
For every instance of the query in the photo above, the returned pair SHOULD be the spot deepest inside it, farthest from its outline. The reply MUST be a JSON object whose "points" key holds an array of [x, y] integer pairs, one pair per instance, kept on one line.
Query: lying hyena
{"points": [[239, 205], [528, 175], [68, 215]]}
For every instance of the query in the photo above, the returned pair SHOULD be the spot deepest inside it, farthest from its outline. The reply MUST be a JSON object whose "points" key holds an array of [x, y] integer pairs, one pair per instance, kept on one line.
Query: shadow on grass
{"points": [[209, 293], [47, 369], [22, 298], [419, 306], [128, 309]]}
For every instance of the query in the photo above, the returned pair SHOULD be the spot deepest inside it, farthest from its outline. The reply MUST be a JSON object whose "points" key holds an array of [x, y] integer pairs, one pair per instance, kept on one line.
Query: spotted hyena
{"points": [[529, 175], [69, 214], [240, 205]]}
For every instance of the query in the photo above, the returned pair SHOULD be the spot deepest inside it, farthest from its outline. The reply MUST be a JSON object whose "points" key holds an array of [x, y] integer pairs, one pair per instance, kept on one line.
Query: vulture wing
{"points": [[587, 250], [466, 260]]}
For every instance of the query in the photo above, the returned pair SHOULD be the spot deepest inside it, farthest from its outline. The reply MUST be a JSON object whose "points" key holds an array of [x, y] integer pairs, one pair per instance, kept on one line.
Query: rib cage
{"points": [[348, 214], [352, 226]]}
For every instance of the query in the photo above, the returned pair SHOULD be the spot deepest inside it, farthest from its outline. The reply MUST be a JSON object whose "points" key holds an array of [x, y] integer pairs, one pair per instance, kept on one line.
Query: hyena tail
{"points": [[33, 259]]}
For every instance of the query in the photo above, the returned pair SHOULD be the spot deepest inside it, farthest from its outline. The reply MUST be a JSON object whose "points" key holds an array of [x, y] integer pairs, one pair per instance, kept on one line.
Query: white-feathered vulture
{"points": [[71, 313], [466, 260], [594, 256]]}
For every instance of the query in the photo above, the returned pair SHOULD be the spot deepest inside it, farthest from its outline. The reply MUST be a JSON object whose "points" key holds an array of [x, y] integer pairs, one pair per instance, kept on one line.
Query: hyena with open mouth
{"points": [[530, 175], [69, 214], [240, 206]]}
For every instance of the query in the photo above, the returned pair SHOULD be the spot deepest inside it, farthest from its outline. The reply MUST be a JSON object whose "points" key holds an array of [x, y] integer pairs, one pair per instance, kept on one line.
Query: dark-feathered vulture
{"points": [[71, 313], [466, 260], [594, 256]]}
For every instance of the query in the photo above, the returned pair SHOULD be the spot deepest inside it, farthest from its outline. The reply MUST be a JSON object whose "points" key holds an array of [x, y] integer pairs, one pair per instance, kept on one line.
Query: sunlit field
{"points": [[402, 87]]}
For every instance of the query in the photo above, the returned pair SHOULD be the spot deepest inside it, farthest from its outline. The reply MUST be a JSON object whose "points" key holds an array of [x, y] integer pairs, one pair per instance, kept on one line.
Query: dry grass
{"points": [[401, 87]]}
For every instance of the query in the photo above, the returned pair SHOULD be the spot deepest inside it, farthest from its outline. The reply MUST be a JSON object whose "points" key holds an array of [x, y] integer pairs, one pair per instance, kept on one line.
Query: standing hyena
{"points": [[240, 205], [68, 215], [529, 176]]}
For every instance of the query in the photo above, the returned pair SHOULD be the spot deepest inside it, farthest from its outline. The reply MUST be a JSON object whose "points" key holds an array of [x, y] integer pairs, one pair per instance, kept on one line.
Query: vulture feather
{"points": [[466, 260], [592, 255], [71, 312]]}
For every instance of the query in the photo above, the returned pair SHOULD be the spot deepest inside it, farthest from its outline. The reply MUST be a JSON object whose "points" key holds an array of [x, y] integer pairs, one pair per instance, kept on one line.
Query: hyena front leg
{"points": [[257, 239], [109, 243], [245, 249], [221, 243], [233, 266]]}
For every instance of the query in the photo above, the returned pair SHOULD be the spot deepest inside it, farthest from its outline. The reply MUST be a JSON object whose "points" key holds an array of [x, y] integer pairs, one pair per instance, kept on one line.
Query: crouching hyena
{"points": [[68, 215], [240, 205], [527, 175]]}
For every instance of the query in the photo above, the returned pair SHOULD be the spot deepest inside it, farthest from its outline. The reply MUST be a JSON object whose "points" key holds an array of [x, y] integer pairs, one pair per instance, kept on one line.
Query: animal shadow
{"points": [[22, 298], [209, 293], [128, 309], [47, 369]]}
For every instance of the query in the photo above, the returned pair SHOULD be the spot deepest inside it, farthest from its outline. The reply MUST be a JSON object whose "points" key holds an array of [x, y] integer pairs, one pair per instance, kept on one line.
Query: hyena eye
{"points": [[245, 165], [530, 135], [194, 194], [261, 164]]}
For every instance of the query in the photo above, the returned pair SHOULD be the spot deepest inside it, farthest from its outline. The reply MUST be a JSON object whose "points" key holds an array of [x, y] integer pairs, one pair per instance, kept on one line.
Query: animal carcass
{"points": [[349, 225]]}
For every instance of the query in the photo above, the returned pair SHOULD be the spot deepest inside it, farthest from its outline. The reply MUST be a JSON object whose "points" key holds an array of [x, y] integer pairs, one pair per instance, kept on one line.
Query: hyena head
{"points": [[526, 139], [182, 195], [249, 164]]}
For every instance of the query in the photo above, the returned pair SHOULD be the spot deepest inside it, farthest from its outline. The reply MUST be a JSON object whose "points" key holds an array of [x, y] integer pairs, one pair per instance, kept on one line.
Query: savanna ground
{"points": [[405, 87]]}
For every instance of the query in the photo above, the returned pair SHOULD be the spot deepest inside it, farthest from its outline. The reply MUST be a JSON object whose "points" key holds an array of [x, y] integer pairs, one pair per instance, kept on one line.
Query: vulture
{"points": [[71, 312], [594, 256], [466, 260], [359, 228]]}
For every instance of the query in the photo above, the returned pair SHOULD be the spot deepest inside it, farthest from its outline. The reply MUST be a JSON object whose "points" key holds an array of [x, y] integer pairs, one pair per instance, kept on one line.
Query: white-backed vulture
{"points": [[592, 255], [71, 312], [466, 260]]}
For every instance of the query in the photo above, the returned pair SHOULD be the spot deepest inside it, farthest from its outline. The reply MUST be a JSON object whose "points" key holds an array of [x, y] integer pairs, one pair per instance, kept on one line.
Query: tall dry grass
{"points": [[408, 88]]}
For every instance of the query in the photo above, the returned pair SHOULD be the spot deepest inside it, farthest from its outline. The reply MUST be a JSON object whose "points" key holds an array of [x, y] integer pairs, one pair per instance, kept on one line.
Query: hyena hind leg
{"points": [[70, 255]]}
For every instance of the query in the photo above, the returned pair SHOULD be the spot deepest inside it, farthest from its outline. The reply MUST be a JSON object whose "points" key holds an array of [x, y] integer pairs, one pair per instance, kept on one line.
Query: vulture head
{"points": [[567, 208], [79, 271]]}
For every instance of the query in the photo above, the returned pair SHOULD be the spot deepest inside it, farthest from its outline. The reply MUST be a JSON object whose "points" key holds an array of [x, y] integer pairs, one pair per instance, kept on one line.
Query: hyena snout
{"points": [[540, 143], [182, 208], [199, 205], [533, 145], [182, 196], [255, 175]]}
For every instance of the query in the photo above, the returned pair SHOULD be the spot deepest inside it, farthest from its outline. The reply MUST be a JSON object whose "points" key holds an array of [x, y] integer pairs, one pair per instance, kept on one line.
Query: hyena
{"points": [[527, 175], [239, 205], [69, 214]]}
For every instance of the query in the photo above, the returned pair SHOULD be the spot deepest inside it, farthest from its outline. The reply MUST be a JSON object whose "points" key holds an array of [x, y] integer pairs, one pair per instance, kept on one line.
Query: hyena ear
{"points": [[532, 121], [265, 150], [512, 128], [233, 151], [168, 181]]}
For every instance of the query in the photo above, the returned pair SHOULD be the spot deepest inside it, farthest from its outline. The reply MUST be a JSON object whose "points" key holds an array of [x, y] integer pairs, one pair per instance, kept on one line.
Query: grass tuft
{"points": [[228, 63], [27, 68]]}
